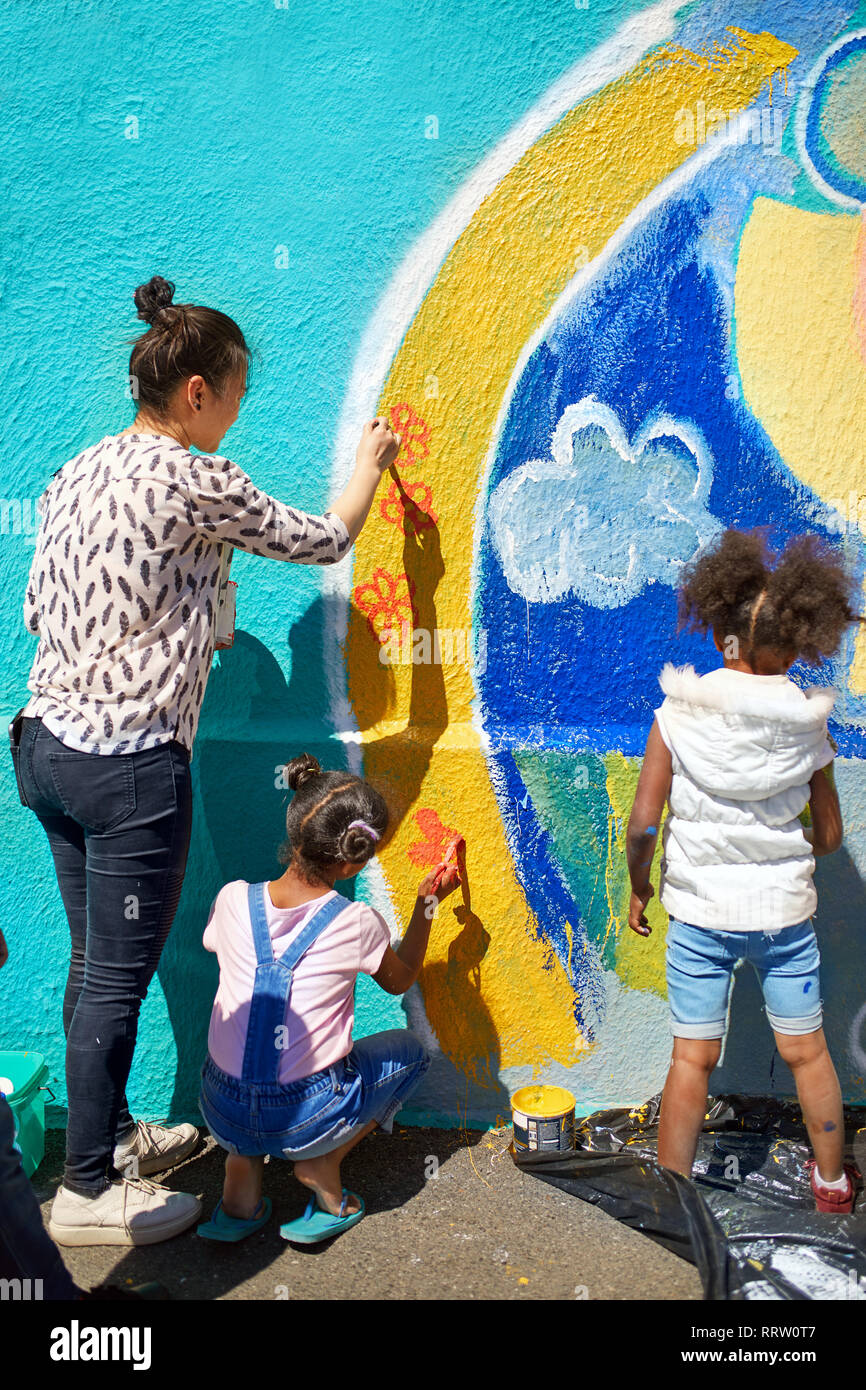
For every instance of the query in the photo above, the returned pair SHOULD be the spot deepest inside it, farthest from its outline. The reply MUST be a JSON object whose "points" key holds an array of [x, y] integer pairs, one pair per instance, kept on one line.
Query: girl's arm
{"points": [[825, 834], [400, 968], [653, 786]]}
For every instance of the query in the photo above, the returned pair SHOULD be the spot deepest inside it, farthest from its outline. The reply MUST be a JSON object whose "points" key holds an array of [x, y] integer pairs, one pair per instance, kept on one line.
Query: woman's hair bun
{"points": [[302, 770], [151, 298]]}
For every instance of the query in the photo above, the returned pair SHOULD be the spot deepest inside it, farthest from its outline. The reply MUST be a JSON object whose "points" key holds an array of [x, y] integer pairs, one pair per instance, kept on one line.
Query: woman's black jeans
{"points": [[119, 829]]}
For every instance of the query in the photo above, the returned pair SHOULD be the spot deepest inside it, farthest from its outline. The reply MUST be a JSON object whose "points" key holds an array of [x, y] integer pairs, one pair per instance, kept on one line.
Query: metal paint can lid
{"points": [[548, 1102]]}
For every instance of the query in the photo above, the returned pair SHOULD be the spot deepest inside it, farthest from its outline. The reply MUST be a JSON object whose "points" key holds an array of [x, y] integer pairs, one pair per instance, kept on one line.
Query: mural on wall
{"points": [[639, 318], [645, 320]]}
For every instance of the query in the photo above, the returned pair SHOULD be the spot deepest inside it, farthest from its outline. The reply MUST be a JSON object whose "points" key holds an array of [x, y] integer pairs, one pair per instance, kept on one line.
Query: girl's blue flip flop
{"points": [[232, 1228], [316, 1225]]}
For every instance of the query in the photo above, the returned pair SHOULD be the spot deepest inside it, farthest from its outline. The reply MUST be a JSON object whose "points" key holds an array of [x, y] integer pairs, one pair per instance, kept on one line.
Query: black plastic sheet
{"points": [[746, 1219]]}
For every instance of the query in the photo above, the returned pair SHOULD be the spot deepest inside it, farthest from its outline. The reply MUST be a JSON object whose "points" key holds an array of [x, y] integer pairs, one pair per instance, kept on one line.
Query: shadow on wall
{"points": [[750, 1064], [239, 824], [397, 764], [454, 1002], [253, 722]]}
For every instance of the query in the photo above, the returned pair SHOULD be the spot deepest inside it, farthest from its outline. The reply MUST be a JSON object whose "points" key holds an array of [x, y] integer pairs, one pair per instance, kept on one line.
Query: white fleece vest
{"points": [[744, 749]]}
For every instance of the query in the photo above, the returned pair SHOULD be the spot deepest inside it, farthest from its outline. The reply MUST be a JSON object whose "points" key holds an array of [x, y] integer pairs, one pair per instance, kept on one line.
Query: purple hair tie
{"points": [[362, 825]]}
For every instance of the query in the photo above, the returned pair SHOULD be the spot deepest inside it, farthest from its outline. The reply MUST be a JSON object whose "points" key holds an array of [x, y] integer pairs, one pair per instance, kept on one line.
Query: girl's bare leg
{"points": [[242, 1188], [322, 1175], [819, 1095], [684, 1101]]}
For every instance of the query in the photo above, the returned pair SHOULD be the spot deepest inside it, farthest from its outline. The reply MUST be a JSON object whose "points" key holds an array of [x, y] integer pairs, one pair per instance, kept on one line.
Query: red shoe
{"points": [[826, 1199]]}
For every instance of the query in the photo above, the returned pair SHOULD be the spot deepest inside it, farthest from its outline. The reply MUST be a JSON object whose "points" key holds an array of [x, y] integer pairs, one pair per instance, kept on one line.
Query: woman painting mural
{"points": [[123, 597]]}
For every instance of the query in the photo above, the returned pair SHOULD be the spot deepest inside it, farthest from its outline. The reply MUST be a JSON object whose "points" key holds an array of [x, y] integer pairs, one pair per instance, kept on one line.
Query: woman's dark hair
{"points": [[797, 600], [183, 340], [319, 819]]}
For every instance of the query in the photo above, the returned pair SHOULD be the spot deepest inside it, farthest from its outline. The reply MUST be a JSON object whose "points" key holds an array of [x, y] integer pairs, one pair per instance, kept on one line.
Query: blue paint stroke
{"points": [[533, 853]]}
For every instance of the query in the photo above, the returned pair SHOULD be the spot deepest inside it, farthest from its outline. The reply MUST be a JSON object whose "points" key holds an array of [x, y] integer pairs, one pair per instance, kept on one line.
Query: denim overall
{"points": [[273, 984], [256, 1113], [256, 1110]]}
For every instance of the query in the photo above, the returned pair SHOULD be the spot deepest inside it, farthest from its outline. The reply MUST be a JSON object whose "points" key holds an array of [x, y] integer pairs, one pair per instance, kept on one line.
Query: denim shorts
{"points": [[313, 1116], [700, 964]]}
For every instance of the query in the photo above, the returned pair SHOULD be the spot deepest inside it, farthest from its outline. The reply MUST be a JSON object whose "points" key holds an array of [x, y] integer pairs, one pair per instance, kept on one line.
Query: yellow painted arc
{"points": [[799, 355], [494, 992]]}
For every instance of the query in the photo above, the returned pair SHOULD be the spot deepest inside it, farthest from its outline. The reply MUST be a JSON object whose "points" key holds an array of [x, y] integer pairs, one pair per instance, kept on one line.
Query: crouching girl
{"points": [[283, 1076]]}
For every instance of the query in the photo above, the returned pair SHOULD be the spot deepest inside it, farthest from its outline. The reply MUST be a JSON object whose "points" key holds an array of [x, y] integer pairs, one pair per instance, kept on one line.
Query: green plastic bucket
{"points": [[22, 1078]]}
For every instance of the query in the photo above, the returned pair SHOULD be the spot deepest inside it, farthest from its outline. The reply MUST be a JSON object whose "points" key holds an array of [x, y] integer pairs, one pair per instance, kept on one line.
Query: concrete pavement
{"points": [[449, 1216]]}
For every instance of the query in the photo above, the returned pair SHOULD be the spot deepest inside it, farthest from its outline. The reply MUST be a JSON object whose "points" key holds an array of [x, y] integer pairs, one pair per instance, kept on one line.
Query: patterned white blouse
{"points": [[123, 588]]}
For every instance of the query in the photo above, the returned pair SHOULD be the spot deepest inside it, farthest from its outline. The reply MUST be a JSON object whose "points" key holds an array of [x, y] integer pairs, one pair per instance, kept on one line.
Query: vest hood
{"points": [[741, 736]]}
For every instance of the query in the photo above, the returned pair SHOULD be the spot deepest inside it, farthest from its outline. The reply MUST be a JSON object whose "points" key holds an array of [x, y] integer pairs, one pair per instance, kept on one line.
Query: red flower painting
{"points": [[430, 851], [410, 509], [386, 599], [414, 432]]}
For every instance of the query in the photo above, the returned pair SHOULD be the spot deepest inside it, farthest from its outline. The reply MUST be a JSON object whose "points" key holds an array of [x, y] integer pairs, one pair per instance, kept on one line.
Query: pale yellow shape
{"points": [[798, 352], [640, 960], [495, 995]]}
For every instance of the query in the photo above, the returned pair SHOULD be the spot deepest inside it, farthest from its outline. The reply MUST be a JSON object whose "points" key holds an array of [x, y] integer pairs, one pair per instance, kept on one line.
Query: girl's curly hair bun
{"points": [[334, 818], [799, 600], [356, 846]]}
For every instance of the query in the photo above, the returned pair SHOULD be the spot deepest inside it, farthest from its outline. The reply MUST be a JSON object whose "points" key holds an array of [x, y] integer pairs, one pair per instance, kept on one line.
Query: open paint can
{"points": [[543, 1119]]}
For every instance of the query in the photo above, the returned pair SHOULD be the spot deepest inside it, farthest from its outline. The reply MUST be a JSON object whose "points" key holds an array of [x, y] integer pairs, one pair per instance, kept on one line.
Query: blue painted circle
{"points": [[818, 148]]}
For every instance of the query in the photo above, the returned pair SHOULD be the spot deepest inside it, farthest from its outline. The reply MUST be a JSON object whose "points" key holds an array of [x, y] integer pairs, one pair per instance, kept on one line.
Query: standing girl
{"points": [[738, 754], [283, 1076], [123, 598]]}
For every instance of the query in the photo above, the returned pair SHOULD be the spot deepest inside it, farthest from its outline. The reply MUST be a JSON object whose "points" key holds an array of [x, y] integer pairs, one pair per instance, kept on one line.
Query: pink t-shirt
{"points": [[321, 1011]]}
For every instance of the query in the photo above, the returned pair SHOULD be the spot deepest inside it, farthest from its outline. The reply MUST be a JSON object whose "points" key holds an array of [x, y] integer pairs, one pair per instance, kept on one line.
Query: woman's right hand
{"points": [[379, 444], [376, 452]]}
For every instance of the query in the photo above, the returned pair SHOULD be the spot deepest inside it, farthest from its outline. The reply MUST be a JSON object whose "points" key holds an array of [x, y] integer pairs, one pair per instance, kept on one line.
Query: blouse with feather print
{"points": [[122, 591]]}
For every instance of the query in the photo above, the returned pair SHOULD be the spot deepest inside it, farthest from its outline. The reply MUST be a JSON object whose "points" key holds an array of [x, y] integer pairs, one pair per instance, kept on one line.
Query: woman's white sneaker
{"points": [[129, 1212], [153, 1148]]}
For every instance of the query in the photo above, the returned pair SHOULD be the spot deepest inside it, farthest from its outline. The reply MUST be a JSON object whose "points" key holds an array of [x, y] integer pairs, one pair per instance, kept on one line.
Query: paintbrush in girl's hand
{"points": [[456, 853]]}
